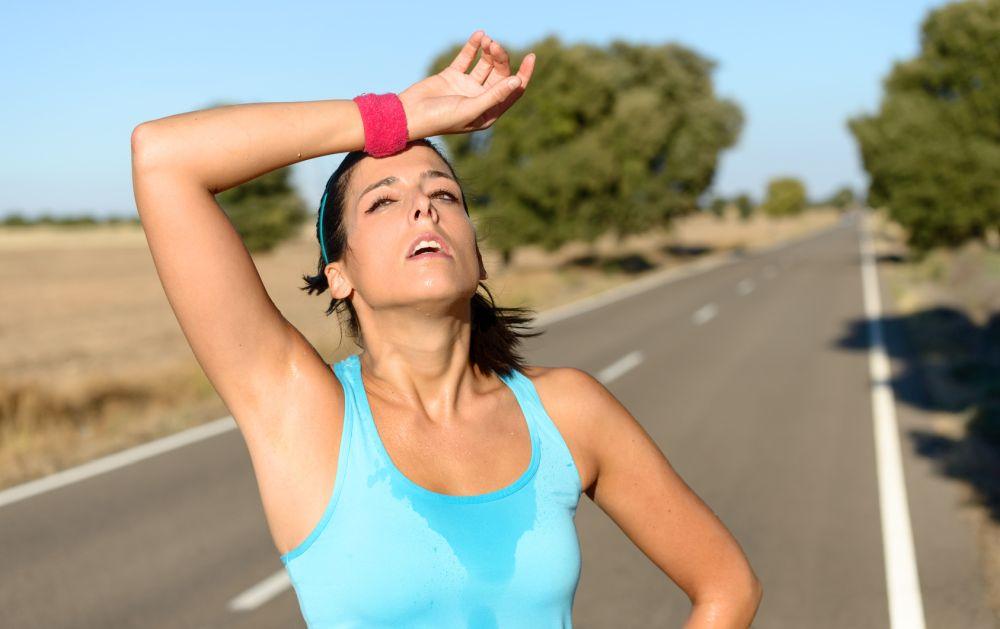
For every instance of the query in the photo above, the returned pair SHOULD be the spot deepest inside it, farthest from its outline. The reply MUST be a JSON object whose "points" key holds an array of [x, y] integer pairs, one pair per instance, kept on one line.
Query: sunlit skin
{"points": [[446, 425]]}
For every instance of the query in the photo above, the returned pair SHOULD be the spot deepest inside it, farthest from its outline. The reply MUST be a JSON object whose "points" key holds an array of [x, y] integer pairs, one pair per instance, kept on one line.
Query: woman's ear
{"points": [[340, 286]]}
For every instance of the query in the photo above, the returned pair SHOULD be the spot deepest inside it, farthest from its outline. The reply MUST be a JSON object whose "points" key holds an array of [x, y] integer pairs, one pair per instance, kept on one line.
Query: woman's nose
{"points": [[423, 207]]}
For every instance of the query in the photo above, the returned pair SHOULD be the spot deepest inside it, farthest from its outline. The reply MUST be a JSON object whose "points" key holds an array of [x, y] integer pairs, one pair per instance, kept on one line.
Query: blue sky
{"points": [[80, 75]]}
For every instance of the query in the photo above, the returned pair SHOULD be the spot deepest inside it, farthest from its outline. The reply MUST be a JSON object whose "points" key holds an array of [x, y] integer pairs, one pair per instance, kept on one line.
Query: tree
{"points": [[745, 206], [265, 210], [718, 206], [842, 198], [619, 139], [933, 150], [16, 219], [785, 196]]}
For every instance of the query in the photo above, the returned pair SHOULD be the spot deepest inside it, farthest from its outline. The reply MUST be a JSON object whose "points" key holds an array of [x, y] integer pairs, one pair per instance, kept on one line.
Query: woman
{"points": [[433, 479]]}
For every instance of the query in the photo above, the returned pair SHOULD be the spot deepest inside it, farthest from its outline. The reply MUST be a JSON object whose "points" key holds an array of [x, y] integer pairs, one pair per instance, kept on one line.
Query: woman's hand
{"points": [[452, 101]]}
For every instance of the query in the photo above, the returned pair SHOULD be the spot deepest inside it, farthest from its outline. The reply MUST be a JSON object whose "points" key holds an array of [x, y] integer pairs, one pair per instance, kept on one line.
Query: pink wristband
{"points": [[385, 123]]}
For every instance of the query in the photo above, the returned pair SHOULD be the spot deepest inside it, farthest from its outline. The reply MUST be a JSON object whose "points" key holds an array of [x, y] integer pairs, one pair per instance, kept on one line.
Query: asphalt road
{"points": [[753, 378]]}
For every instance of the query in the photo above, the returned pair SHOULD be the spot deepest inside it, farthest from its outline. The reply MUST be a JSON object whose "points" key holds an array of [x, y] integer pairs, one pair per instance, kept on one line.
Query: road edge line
{"points": [[902, 579], [116, 460]]}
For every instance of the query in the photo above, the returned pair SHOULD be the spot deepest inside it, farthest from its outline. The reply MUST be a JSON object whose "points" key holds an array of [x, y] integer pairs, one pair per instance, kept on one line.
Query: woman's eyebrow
{"points": [[391, 179], [427, 174], [384, 182]]}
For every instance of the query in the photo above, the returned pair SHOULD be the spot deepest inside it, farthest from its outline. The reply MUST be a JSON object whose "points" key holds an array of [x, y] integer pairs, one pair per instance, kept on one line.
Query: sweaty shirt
{"points": [[388, 552]]}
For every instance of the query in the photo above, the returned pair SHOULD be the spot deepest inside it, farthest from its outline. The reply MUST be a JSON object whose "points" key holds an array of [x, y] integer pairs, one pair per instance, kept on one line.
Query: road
{"points": [[752, 376]]}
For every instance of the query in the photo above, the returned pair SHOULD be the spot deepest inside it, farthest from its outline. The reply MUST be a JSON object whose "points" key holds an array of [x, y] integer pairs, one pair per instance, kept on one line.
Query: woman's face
{"points": [[390, 202]]}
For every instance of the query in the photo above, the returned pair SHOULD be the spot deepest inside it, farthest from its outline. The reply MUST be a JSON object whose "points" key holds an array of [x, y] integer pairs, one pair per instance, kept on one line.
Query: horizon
{"points": [[100, 70]]}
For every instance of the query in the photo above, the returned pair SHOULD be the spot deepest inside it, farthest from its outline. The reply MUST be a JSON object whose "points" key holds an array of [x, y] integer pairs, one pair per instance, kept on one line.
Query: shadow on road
{"points": [[948, 364], [631, 263]]}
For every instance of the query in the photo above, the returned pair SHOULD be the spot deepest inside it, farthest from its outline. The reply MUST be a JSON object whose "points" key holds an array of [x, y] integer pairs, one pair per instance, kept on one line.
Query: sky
{"points": [[79, 76]]}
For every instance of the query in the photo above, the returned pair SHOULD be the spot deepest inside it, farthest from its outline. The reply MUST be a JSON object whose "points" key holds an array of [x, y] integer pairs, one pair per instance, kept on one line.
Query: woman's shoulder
{"points": [[567, 392], [561, 380], [571, 392]]}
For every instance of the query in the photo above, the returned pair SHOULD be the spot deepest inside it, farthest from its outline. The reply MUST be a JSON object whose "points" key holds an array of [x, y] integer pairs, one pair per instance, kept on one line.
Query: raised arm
{"points": [[179, 163], [244, 344]]}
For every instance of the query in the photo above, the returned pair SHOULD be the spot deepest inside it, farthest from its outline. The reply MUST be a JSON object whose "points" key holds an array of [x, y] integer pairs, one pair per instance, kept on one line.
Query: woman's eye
{"points": [[377, 204]]}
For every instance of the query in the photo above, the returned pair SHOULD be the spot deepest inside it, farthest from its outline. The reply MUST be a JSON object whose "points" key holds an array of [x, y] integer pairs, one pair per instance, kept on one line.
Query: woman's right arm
{"points": [[248, 350], [179, 163]]}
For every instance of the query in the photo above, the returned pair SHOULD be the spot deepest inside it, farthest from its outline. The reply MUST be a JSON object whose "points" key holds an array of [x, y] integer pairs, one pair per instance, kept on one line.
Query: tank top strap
{"points": [[345, 373], [524, 390], [561, 459], [348, 371]]}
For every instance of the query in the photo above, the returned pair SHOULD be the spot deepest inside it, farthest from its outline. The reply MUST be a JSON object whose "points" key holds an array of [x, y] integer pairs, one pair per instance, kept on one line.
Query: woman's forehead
{"points": [[408, 164]]}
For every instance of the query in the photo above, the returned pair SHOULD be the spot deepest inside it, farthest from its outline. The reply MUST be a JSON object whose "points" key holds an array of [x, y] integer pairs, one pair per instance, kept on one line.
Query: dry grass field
{"points": [[92, 359]]}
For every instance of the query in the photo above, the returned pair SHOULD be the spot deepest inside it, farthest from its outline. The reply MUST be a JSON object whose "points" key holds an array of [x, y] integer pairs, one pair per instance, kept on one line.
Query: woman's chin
{"points": [[439, 290]]}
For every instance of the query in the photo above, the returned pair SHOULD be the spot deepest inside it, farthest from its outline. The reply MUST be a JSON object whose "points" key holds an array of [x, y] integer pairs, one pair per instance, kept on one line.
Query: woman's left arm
{"points": [[639, 489]]}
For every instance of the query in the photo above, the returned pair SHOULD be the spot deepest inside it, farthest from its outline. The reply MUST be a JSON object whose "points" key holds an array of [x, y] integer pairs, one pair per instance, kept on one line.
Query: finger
{"points": [[526, 69], [501, 61], [482, 68], [501, 65], [523, 75], [492, 97], [484, 64], [467, 53]]}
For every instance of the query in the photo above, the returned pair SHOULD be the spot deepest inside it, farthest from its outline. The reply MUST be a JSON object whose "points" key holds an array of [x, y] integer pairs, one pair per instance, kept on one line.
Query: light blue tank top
{"points": [[390, 553]]}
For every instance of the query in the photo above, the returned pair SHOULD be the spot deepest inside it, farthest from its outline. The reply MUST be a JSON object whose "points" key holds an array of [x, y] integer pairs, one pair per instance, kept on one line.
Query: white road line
{"points": [[620, 367], [116, 460], [261, 593], [745, 286], [903, 583], [705, 314], [655, 279]]}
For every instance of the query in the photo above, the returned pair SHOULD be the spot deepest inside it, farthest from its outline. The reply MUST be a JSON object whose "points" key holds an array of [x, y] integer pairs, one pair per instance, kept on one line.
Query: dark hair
{"points": [[495, 329]]}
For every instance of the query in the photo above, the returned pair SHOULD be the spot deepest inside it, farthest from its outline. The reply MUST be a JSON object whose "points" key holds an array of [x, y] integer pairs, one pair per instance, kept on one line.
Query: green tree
{"points": [[16, 219], [785, 196], [265, 210], [615, 139], [718, 206], [842, 198], [933, 149], [745, 206]]}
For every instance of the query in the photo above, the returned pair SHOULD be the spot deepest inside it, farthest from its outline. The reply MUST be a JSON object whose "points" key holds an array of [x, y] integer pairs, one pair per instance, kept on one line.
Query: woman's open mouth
{"points": [[428, 253], [428, 244]]}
